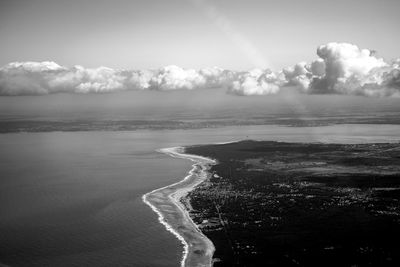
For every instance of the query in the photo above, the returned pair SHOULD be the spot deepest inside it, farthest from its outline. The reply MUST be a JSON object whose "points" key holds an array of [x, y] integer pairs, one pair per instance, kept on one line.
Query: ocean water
{"points": [[74, 198]]}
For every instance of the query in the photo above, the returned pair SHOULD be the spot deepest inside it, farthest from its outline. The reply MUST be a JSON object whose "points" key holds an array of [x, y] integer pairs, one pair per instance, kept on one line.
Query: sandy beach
{"points": [[165, 201]]}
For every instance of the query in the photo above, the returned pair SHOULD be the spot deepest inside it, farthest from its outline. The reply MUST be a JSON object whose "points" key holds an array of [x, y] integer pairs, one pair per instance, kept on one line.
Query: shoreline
{"points": [[165, 202]]}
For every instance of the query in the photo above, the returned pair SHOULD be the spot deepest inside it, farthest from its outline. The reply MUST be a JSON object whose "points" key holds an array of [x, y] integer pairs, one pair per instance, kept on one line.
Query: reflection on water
{"points": [[75, 198]]}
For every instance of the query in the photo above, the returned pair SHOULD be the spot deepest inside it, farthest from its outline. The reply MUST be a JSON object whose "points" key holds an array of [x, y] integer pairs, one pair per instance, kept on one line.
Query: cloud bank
{"points": [[37, 78], [340, 68]]}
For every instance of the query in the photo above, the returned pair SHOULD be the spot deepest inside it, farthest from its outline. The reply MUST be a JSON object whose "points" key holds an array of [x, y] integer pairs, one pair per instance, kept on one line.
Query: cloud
{"points": [[340, 68], [348, 70], [37, 78], [174, 77], [298, 75], [255, 82]]}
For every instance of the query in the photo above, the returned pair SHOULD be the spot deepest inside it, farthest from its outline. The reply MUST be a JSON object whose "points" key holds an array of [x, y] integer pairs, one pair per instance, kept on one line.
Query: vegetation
{"points": [[297, 204]]}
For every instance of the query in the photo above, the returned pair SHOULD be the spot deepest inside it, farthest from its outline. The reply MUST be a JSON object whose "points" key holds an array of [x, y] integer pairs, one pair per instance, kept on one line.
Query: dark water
{"points": [[74, 199]]}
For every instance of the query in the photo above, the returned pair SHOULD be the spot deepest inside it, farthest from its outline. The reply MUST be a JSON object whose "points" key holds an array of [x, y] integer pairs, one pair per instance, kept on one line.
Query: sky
{"points": [[230, 34], [97, 56]]}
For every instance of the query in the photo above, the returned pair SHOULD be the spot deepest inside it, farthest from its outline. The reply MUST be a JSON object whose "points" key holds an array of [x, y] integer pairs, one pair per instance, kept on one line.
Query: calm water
{"points": [[74, 199]]}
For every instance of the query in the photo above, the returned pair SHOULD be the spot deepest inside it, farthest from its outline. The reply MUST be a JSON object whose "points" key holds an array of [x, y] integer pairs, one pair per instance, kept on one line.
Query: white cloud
{"points": [[35, 78], [140, 79], [174, 77], [347, 69], [317, 67], [255, 82], [298, 75], [344, 68], [340, 69]]}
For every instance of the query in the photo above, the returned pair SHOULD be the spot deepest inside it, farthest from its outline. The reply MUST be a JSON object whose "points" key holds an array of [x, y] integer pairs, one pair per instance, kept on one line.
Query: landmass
{"points": [[16, 124], [300, 204]]}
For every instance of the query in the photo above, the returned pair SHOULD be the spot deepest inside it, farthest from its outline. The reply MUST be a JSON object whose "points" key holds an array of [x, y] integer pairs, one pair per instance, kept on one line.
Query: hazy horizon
{"points": [[207, 105]]}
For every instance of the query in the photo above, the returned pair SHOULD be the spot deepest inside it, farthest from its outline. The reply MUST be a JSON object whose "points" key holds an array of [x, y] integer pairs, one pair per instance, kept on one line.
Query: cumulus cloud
{"points": [[344, 68], [340, 68], [348, 70], [36, 78], [255, 82], [298, 75], [174, 77]]}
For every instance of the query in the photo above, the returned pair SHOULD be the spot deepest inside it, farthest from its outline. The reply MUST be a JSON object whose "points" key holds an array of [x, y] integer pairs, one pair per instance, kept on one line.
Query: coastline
{"points": [[165, 201], [300, 203]]}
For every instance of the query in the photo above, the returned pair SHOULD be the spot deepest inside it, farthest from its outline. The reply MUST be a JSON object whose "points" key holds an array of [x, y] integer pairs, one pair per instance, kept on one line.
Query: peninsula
{"points": [[300, 204]]}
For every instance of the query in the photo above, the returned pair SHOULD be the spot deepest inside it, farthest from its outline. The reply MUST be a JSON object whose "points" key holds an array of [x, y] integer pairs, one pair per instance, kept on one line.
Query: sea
{"points": [[75, 198]]}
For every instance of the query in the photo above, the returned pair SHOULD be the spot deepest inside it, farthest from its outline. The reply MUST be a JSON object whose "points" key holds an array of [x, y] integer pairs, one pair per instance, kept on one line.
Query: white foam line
{"points": [[229, 142], [169, 228], [173, 151]]}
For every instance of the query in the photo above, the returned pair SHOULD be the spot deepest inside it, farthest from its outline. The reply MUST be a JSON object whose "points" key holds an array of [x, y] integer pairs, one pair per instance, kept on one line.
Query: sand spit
{"points": [[198, 249]]}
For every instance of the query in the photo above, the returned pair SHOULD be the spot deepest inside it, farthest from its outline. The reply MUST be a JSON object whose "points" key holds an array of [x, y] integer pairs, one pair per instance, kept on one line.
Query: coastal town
{"points": [[297, 204]]}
